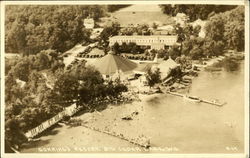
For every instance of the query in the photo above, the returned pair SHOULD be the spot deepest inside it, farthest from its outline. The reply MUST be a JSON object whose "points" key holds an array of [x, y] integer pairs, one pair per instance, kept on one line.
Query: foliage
{"points": [[153, 77], [174, 51], [234, 29], [32, 28], [195, 11], [65, 88], [141, 29], [107, 32], [184, 61], [223, 31], [130, 47], [227, 28]]}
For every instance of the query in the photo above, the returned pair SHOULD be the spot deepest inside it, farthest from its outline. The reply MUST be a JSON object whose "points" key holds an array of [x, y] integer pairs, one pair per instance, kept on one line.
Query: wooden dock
{"points": [[201, 100], [132, 141]]}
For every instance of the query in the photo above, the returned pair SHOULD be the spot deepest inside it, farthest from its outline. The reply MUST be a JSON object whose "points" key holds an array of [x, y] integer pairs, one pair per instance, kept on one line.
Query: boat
{"points": [[192, 98]]}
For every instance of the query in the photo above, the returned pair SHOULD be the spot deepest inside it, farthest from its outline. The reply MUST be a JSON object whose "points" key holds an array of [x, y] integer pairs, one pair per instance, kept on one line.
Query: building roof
{"points": [[111, 63], [166, 66], [146, 37], [145, 40], [143, 68], [89, 20]]}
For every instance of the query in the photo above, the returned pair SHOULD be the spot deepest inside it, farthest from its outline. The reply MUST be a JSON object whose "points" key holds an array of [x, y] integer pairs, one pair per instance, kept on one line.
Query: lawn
{"points": [[141, 14]]}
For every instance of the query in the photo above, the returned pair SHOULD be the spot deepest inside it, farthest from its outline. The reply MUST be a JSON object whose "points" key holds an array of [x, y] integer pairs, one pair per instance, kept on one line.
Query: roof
{"points": [[145, 40], [143, 68], [89, 20], [111, 63], [172, 37], [166, 66]]}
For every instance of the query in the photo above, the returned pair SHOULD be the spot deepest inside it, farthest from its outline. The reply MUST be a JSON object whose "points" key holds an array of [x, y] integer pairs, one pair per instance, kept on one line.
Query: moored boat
{"points": [[192, 98]]}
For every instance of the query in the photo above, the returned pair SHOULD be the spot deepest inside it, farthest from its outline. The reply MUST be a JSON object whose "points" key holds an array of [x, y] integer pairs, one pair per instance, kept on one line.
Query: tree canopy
{"points": [[195, 11], [32, 28]]}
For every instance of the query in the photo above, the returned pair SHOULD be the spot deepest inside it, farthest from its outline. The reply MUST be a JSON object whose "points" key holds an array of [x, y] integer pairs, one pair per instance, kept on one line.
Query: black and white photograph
{"points": [[124, 78]]}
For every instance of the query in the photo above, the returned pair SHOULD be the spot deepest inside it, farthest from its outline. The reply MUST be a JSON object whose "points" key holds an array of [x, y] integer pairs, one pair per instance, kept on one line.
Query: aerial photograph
{"points": [[124, 78]]}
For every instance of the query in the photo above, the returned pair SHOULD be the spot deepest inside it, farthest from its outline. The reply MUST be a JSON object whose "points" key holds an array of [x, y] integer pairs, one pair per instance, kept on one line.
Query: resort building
{"points": [[154, 41], [89, 23]]}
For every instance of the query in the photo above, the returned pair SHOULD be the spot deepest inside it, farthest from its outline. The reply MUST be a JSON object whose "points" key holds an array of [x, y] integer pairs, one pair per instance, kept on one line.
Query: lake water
{"points": [[199, 127], [169, 121]]}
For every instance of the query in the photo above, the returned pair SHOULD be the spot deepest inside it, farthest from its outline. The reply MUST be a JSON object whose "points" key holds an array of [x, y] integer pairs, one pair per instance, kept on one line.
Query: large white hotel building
{"points": [[154, 41]]}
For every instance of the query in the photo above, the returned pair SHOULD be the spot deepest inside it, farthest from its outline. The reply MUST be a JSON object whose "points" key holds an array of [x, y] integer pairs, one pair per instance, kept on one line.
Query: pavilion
{"points": [[112, 65]]}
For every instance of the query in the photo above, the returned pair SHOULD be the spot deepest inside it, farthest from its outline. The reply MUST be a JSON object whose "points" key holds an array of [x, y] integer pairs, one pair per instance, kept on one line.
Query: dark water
{"points": [[199, 127]]}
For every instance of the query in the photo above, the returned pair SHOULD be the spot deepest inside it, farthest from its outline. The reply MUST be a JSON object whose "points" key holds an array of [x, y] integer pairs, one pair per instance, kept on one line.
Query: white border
{"points": [[104, 155], [86, 2]]}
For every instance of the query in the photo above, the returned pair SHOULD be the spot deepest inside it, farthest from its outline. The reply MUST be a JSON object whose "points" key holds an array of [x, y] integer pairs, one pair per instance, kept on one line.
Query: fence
{"points": [[69, 111]]}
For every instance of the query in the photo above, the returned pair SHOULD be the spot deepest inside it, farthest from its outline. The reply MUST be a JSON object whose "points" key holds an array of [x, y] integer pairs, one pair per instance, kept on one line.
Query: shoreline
{"points": [[109, 119]]}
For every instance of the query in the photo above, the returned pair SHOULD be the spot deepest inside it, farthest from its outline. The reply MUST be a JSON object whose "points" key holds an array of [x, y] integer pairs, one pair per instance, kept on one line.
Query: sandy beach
{"points": [[83, 139]]}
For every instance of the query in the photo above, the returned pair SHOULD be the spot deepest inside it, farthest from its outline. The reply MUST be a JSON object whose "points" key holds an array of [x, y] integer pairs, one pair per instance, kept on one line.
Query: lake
{"points": [[200, 127], [169, 121]]}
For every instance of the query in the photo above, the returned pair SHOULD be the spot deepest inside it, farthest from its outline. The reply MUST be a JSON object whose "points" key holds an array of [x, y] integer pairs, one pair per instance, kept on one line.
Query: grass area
{"points": [[141, 14]]}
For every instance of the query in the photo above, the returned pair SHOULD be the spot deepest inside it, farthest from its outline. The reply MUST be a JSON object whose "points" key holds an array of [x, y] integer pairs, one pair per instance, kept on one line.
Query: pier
{"points": [[200, 100], [132, 141]]}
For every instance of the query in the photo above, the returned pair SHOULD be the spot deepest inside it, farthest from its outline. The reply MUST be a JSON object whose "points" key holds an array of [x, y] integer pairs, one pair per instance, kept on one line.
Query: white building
{"points": [[89, 23], [155, 41]]}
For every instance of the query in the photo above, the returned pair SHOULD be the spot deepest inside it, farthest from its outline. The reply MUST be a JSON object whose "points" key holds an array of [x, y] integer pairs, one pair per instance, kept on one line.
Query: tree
{"points": [[15, 38], [215, 28], [184, 62], [196, 30], [13, 135], [234, 29], [107, 32], [195, 11], [196, 53], [153, 77], [66, 88], [143, 29], [22, 70], [154, 26], [174, 51], [42, 61], [178, 30], [116, 48], [37, 28]]}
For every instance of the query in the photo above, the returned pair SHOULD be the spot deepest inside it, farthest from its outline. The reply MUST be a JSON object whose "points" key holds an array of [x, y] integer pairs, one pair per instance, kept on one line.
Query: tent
{"points": [[111, 64]]}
